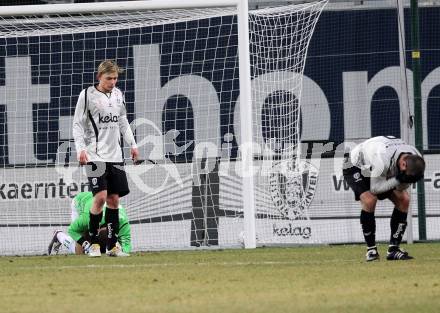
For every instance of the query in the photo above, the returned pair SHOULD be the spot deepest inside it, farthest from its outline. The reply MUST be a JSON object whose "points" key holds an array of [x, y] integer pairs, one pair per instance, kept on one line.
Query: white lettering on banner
{"points": [[390, 77], [19, 94], [431, 81], [355, 105], [314, 106], [150, 99], [358, 92], [358, 95]]}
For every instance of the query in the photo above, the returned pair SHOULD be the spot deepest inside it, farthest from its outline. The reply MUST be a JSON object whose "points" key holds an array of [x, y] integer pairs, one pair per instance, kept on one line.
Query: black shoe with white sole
{"points": [[372, 254], [395, 253], [54, 245]]}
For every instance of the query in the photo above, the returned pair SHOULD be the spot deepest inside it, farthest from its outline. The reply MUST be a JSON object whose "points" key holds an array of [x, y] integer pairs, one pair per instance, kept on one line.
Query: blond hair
{"points": [[108, 67]]}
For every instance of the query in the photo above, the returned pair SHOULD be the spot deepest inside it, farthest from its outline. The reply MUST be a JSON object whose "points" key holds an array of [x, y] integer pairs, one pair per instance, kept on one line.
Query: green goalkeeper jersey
{"points": [[83, 202]]}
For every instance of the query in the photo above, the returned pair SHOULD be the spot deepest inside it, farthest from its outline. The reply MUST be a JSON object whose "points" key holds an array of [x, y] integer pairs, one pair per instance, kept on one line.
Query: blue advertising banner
{"points": [[350, 87]]}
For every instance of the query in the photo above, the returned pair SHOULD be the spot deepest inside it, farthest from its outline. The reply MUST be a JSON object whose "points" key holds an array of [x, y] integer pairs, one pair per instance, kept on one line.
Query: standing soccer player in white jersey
{"points": [[100, 118], [383, 168]]}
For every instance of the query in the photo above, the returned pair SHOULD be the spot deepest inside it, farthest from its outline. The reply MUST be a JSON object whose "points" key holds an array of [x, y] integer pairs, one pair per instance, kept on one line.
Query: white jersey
{"points": [[100, 119], [379, 156]]}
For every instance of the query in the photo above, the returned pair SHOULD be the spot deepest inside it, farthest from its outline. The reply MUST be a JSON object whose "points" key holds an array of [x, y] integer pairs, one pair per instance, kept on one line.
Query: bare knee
{"points": [[401, 200], [99, 201], [113, 201], [368, 201]]}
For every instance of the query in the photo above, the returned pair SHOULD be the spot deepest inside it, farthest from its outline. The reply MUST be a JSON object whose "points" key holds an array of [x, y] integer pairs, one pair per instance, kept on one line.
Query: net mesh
{"points": [[58, 24], [279, 41], [181, 87]]}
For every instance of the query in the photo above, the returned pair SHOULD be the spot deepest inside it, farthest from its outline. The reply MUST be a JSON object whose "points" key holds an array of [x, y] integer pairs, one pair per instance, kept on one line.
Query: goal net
{"points": [[183, 98]]}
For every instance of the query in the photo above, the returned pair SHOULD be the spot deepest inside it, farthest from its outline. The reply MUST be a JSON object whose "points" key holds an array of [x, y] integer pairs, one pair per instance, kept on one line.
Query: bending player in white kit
{"points": [[383, 168]]}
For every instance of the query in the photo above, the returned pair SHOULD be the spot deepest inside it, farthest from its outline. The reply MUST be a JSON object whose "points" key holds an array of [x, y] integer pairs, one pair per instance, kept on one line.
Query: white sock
{"points": [[67, 241]]}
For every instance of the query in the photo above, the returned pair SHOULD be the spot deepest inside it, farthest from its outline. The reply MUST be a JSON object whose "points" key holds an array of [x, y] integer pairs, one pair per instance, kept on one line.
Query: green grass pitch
{"points": [[302, 279]]}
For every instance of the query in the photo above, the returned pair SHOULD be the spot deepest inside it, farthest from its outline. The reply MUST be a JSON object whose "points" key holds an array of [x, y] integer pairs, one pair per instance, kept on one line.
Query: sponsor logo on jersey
{"points": [[109, 118]]}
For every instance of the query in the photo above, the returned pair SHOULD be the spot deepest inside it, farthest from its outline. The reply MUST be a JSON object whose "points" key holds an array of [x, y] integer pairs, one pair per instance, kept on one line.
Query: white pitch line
{"points": [[152, 265], [231, 264]]}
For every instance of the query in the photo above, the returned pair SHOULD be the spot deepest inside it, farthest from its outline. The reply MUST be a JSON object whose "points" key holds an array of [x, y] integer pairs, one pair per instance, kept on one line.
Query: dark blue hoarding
{"points": [[351, 69]]}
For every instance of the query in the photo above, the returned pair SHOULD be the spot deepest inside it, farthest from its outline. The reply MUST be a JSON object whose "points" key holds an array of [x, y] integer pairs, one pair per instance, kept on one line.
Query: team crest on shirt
{"points": [[94, 181], [357, 177]]}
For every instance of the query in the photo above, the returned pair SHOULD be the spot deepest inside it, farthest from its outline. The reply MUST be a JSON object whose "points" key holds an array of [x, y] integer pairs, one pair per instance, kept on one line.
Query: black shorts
{"points": [[359, 183], [107, 176]]}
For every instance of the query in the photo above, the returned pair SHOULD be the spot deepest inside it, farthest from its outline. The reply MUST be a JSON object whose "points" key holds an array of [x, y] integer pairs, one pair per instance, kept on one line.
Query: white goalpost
{"points": [[213, 93]]}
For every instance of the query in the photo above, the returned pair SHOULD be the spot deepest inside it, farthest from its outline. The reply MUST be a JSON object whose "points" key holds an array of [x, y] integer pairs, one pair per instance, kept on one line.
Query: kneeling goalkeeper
{"points": [[77, 240]]}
